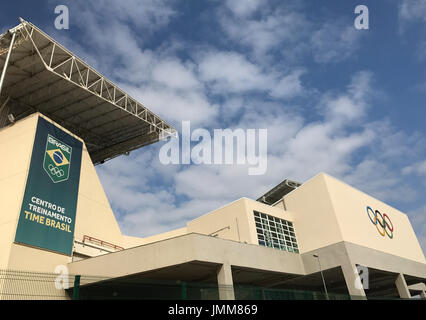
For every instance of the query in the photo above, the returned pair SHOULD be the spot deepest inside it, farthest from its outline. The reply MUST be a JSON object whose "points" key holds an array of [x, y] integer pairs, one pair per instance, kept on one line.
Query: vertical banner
{"points": [[48, 211]]}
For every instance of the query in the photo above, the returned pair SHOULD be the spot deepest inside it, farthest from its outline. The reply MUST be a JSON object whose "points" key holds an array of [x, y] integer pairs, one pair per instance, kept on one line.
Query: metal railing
{"points": [[18, 285], [101, 243]]}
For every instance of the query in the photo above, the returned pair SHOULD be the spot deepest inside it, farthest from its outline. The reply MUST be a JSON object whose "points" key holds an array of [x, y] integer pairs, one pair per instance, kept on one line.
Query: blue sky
{"points": [[334, 99]]}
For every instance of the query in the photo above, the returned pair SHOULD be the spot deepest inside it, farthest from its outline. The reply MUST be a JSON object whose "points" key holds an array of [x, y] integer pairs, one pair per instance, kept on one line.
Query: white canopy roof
{"points": [[42, 76]]}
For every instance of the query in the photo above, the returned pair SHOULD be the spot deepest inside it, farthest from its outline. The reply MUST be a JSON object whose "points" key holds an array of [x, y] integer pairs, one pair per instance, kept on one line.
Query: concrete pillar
{"points": [[353, 282], [402, 287], [225, 282]]}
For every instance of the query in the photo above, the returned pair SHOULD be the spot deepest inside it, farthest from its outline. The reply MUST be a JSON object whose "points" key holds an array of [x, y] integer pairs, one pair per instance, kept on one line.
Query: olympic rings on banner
{"points": [[57, 172]]}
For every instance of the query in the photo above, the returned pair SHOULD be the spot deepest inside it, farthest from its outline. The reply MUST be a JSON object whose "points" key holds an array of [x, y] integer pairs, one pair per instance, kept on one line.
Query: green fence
{"points": [[15, 285]]}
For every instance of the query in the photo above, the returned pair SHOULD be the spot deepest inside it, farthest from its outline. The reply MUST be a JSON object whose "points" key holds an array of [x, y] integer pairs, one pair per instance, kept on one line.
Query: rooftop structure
{"points": [[40, 75]]}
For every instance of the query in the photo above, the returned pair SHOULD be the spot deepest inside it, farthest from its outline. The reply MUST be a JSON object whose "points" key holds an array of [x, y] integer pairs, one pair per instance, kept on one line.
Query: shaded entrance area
{"points": [[280, 286], [334, 280], [193, 280], [382, 284], [198, 281]]}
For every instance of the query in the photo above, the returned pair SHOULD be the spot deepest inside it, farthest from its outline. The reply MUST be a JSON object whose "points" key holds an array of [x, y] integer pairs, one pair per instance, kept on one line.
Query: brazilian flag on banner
{"points": [[49, 206], [57, 159]]}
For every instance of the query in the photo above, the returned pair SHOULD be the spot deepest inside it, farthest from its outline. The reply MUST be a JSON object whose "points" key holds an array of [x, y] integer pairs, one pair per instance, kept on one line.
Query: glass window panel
{"points": [[272, 231]]}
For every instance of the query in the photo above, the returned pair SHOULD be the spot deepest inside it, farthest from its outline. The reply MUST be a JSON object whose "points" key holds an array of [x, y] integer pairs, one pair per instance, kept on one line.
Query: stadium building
{"points": [[59, 118]]}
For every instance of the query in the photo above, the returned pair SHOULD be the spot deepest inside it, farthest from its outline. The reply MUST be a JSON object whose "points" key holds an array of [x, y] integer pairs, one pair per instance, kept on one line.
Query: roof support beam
{"points": [[6, 63]]}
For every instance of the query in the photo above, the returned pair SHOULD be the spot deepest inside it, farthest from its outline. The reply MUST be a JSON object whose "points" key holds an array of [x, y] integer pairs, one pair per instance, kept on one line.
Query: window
{"points": [[275, 233]]}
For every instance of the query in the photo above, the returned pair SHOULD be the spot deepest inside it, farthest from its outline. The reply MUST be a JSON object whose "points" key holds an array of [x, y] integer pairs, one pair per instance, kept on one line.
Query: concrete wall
{"points": [[188, 248], [328, 211], [315, 223], [16, 143], [235, 221], [130, 242], [228, 222], [94, 216], [350, 209]]}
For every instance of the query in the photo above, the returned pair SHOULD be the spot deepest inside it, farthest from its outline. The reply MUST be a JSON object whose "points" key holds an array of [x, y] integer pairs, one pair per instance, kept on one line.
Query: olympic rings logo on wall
{"points": [[381, 221]]}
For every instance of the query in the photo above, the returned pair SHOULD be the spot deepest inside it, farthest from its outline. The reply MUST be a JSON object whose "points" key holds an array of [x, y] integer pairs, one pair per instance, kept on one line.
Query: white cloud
{"points": [[412, 10], [160, 217], [377, 179], [289, 86], [231, 72], [175, 106], [174, 74], [270, 29], [344, 109], [243, 7], [284, 29], [156, 77], [418, 168], [334, 42], [149, 14]]}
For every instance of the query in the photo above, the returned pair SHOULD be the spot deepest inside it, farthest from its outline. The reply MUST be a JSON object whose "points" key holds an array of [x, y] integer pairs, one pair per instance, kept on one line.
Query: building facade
{"points": [[320, 235]]}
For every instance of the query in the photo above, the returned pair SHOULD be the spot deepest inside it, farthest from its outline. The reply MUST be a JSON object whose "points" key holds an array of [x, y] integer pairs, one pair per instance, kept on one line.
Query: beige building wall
{"points": [[228, 222], [350, 207], [328, 211], [94, 216], [16, 143], [234, 221], [315, 223], [130, 242]]}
